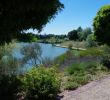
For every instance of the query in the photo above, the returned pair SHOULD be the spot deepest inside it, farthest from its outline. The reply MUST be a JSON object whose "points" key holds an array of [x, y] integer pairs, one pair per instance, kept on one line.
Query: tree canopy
{"points": [[73, 35], [102, 25], [19, 15], [84, 33], [79, 34]]}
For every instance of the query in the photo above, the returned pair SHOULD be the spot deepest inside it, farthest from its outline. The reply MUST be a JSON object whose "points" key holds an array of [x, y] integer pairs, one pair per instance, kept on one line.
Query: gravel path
{"points": [[96, 90]]}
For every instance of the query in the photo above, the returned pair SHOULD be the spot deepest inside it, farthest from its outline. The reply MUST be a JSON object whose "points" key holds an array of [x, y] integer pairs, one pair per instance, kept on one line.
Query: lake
{"points": [[48, 51]]}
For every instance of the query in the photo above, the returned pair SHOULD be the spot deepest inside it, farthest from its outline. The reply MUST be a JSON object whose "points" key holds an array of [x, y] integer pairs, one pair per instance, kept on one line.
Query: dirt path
{"points": [[96, 90]]}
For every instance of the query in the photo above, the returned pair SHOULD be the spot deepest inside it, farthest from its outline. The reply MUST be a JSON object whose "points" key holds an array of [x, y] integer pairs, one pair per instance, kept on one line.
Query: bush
{"points": [[106, 56], [76, 68], [71, 85], [74, 81], [106, 60], [41, 83], [82, 68], [8, 62], [90, 41], [10, 86]]}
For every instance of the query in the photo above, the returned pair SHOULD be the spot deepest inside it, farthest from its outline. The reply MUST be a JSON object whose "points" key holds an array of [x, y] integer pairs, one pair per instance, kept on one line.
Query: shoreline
{"points": [[73, 48]]}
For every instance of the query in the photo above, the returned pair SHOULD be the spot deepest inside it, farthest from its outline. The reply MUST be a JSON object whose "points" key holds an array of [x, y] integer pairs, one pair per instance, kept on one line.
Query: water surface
{"points": [[48, 51]]}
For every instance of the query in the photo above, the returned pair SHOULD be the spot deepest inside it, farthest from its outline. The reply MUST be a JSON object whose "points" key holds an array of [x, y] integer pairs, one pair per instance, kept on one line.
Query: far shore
{"points": [[74, 48]]}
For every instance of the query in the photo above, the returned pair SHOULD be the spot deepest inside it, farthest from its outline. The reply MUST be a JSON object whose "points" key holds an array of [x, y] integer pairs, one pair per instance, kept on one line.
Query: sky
{"points": [[76, 13]]}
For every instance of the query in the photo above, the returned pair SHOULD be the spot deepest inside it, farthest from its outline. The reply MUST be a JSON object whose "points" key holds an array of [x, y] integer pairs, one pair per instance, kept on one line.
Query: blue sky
{"points": [[76, 13]]}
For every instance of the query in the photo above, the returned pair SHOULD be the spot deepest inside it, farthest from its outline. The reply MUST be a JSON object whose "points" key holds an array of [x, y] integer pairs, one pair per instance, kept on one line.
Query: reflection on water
{"points": [[48, 51]]}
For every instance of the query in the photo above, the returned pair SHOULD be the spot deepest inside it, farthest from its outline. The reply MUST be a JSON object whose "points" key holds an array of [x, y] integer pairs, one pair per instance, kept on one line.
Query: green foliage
{"points": [[8, 63], [94, 51], [42, 83], [39, 83], [102, 26], [106, 56], [90, 42], [75, 68], [26, 37], [74, 82], [18, 15], [79, 34], [71, 85], [84, 33], [10, 86], [79, 29], [82, 68], [73, 35], [81, 73], [76, 44], [62, 58]]}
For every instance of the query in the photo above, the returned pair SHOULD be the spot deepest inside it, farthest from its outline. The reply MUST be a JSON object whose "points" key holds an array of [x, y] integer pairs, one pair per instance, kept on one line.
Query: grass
{"points": [[82, 71], [76, 44], [63, 58], [94, 51]]}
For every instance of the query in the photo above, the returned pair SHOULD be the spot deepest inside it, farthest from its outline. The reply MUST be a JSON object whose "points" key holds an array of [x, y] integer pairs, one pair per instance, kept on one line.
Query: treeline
{"points": [[79, 34], [48, 36], [30, 37], [26, 37]]}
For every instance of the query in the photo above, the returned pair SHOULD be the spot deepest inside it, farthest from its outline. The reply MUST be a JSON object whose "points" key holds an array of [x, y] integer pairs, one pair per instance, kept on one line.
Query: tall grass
{"points": [[8, 63], [81, 73]]}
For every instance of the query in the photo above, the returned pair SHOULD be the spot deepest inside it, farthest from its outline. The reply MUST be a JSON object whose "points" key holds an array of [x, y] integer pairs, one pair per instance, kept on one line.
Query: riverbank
{"points": [[73, 48], [81, 67]]}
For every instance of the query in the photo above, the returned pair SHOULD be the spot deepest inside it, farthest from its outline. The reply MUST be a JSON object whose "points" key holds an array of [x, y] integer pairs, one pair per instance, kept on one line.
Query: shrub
{"points": [[106, 60], [10, 86], [71, 85], [75, 68], [106, 56], [8, 62], [41, 83], [82, 78], [74, 81], [82, 68], [90, 41]]}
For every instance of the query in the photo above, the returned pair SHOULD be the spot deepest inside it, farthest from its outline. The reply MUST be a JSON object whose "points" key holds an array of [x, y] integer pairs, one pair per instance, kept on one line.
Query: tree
{"points": [[31, 54], [101, 25], [90, 41], [73, 35], [26, 37], [84, 33], [19, 15], [79, 29]]}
